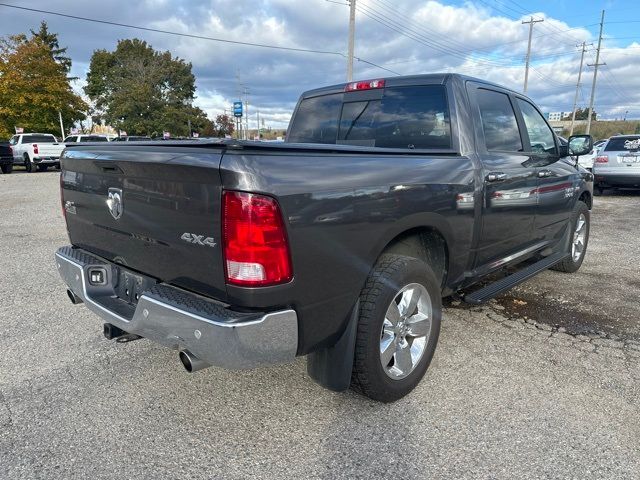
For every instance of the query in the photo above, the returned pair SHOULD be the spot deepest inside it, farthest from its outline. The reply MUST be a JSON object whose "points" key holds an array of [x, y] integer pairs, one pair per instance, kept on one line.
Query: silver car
{"points": [[618, 163]]}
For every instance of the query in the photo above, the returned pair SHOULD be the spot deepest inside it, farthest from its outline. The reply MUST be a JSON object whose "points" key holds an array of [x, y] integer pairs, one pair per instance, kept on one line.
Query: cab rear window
{"points": [[39, 139], [620, 144], [405, 117]]}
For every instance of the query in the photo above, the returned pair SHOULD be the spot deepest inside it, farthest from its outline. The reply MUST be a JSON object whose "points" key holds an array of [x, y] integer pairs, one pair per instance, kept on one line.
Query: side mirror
{"points": [[580, 144]]}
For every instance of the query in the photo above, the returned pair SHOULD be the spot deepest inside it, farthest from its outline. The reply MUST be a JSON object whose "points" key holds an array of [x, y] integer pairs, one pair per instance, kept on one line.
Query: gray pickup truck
{"points": [[337, 245]]}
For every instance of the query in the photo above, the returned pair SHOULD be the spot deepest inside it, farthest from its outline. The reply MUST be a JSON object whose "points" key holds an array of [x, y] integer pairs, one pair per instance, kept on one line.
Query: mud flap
{"points": [[331, 367]]}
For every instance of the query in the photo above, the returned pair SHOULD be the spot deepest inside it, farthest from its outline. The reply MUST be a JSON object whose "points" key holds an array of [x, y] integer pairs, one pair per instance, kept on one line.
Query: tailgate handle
{"points": [[110, 168]]}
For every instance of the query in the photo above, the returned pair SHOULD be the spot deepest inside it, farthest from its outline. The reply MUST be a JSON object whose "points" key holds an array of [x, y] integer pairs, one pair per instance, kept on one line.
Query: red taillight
{"points": [[256, 250], [602, 159], [366, 85], [35, 148]]}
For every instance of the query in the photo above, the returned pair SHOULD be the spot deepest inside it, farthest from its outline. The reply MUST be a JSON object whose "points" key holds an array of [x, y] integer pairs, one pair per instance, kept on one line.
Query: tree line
{"points": [[134, 88]]}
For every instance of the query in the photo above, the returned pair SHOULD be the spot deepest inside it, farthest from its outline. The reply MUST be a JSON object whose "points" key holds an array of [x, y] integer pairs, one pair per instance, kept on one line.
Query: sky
{"points": [[482, 38]]}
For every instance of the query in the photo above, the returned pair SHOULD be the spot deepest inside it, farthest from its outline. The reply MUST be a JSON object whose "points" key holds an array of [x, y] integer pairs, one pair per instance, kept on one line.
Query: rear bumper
{"points": [[46, 160], [627, 179], [182, 320]]}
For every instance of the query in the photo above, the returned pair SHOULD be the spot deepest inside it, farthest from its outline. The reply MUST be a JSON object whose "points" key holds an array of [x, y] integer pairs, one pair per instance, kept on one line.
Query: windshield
{"points": [[405, 117], [620, 144]]}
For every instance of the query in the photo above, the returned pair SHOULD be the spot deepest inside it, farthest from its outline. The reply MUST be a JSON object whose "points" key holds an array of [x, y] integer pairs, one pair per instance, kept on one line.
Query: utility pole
{"points": [[246, 113], [258, 115], [595, 75], [531, 22], [352, 35], [575, 99]]}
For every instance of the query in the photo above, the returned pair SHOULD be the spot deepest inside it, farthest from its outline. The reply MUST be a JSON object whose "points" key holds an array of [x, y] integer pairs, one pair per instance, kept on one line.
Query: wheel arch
{"points": [[425, 242], [587, 198]]}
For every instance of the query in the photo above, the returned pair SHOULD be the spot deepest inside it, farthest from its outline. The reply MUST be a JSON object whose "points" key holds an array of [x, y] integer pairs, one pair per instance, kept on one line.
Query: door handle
{"points": [[544, 173], [496, 177]]}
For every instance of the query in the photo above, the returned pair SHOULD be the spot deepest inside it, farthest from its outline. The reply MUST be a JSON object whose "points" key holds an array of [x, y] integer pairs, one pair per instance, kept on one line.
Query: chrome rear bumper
{"points": [[183, 320]]}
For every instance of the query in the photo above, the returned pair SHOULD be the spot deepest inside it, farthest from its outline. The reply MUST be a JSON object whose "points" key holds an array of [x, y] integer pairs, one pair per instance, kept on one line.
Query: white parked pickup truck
{"points": [[36, 151]]}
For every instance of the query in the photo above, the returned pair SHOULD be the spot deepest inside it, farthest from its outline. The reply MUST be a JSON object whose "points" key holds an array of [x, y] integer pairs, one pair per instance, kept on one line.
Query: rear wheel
{"points": [[598, 191], [579, 238], [7, 168], [28, 165], [398, 328]]}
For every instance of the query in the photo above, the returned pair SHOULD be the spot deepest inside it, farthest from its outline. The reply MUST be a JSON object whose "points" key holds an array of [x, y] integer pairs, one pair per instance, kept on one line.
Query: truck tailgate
{"points": [[153, 209], [50, 149]]}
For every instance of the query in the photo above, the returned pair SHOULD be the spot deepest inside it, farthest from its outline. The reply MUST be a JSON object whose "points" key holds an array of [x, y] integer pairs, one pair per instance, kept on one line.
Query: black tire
{"points": [[569, 265], [7, 168], [597, 191], [390, 274], [43, 168], [28, 165]]}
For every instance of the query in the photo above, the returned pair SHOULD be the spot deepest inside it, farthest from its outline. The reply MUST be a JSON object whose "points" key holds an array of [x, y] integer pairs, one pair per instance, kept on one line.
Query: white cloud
{"points": [[466, 38]]}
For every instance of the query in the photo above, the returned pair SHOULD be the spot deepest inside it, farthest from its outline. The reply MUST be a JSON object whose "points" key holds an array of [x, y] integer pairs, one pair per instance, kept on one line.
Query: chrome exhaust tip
{"points": [[190, 362], [73, 297]]}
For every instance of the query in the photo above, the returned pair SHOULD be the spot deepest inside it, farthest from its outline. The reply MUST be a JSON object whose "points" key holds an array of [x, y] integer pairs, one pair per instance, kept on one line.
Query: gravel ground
{"points": [[552, 395]]}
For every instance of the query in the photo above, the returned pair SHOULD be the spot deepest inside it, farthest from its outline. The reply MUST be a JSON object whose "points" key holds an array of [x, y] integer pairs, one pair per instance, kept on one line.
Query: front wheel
{"points": [[578, 240], [398, 328]]}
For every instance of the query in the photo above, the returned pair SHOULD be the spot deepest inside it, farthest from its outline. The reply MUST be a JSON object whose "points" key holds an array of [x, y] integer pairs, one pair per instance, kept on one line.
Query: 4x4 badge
{"points": [[114, 202], [198, 239]]}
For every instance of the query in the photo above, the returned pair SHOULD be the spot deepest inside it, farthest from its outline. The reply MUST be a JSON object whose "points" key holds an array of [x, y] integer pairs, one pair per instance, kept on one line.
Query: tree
{"points": [[140, 90], [51, 40], [224, 125], [582, 114], [34, 88]]}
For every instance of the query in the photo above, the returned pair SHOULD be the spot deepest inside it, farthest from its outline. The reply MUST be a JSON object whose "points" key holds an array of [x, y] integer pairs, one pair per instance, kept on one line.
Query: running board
{"points": [[510, 281]]}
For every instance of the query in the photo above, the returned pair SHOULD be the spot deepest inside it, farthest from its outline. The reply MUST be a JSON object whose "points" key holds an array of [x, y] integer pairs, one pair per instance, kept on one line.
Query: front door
{"points": [[557, 178]]}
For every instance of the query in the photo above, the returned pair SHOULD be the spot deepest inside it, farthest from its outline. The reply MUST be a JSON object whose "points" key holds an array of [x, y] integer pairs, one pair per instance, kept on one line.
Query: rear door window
{"points": [[499, 122], [621, 144]]}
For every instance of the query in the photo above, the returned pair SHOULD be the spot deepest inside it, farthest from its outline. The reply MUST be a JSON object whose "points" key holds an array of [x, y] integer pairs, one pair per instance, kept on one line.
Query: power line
{"points": [[389, 23], [199, 37]]}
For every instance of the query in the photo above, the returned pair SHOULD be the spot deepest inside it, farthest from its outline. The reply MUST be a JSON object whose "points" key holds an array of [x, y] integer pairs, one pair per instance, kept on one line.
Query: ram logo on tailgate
{"points": [[114, 202], [198, 239]]}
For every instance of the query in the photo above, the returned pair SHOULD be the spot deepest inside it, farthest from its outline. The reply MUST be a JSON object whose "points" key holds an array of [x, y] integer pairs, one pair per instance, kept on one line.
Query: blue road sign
{"points": [[237, 109]]}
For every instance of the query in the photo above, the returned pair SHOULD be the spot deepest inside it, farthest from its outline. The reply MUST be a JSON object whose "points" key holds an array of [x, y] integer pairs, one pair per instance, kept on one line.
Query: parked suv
{"points": [[85, 138], [618, 163]]}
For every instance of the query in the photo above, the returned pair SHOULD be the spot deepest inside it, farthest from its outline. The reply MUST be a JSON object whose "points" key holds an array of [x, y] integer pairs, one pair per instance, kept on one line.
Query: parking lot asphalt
{"points": [[542, 383]]}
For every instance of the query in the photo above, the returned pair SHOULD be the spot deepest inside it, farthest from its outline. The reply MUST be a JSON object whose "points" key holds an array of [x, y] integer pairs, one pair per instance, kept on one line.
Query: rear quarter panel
{"points": [[341, 210]]}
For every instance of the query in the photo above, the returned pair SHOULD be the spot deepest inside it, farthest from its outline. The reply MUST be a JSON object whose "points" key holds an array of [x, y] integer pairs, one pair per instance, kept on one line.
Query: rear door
{"points": [[153, 209], [509, 189]]}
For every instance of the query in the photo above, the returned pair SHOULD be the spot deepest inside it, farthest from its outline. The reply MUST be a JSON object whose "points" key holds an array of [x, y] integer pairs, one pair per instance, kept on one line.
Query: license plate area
{"points": [[129, 286]]}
